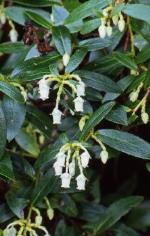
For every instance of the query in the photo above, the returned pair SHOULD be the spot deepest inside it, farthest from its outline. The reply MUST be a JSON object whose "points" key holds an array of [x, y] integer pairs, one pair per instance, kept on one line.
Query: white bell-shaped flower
{"points": [[109, 30], [13, 34], [10, 232], [81, 180], [65, 180], [115, 19], [61, 157], [78, 102], [43, 89], [56, 116], [81, 89], [72, 168], [66, 58], [85, 157], [121, 24], [102, 31], [58, 169], [104, 156]]}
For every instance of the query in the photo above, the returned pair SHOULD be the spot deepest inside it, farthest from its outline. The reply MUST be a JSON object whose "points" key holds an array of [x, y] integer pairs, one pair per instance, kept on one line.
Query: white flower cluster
{"points": [[18, 227], [65, 164], [62, 80], [105, 28]]}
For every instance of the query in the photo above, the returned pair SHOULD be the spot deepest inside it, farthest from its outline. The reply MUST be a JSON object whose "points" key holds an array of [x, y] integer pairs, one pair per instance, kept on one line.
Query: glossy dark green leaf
{"points": [[98, 81], [94, 44], [6, 169], [118, 115], [138, 11], [76, 59], [96, 118], [143, 55], [9, 47], [125, 142], [39, 19], [40, 3], [11, 91], [89, 26], [15, 115], [125, 60], [3, 131], [27, 142], [114, 212], [62, 39]]}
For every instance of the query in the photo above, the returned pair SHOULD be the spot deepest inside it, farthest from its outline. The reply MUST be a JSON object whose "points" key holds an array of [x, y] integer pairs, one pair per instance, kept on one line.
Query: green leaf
{"points": [[11, 91], [90, 26], [115, 212], [39, 119], [2, 131], [39, 19], [40, 3], [95, 119], [125, 60], [118, 115], [76, 59], [138, 11], [98, 81], [14, 114], [94, 44], [6, 169], [143, 55], [28, 143], [9, 47], [62, 39], [85, 10], [125, 142], [69, 207]]}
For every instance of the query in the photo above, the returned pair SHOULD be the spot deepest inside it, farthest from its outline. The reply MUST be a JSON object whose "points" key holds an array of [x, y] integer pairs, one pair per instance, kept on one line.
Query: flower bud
{"points": [[121, 24], [66, 58], [13, 35], [85, 157], [102, 31], [43, 89], [58, 169], [56, 116], [104, 156], [38, 220], [145, 117], [109, 30], [2, 18], [133, 96], [81, 89], [65, 180], [78, 101], [50, 213], [115, 19], [81, 179]]}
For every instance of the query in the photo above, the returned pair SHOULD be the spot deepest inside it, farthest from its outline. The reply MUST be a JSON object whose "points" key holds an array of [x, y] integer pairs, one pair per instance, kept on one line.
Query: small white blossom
{"points": [[72, 168], [38, 220], [121, 24], [43, 89], [104, 156], [65, 178], [13, 35], [81, 179], [61, 157], [66, 58], [78, 101], [102, 31], [145, 117], [9, 232], [109, 30], [58, 169], [115, 19], [81, 89], [56, 116], [133, 96], [85, 157]]}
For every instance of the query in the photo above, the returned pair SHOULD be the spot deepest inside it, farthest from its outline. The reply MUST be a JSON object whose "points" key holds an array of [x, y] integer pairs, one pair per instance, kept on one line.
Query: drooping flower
{"points": [[85, 157], [81, 180], [65, 178], [13, 35], [43, 89], [79, 101], [61, 158], [81, 89], [115, 19], [58, 169], [133, 96], [56, 116], [66, 58], [145, 117], [121, 23], [104, 156], [38, 220], [102, 31], [109, 30], [72, 168], [2, 18], [10, 232]]}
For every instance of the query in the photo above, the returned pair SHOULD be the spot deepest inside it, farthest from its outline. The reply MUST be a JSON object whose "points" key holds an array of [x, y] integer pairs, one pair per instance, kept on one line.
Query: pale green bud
{"points": [[145, 117], [50, 213], [66, 58], [38, 220], [104, 156], [133, 96]]}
